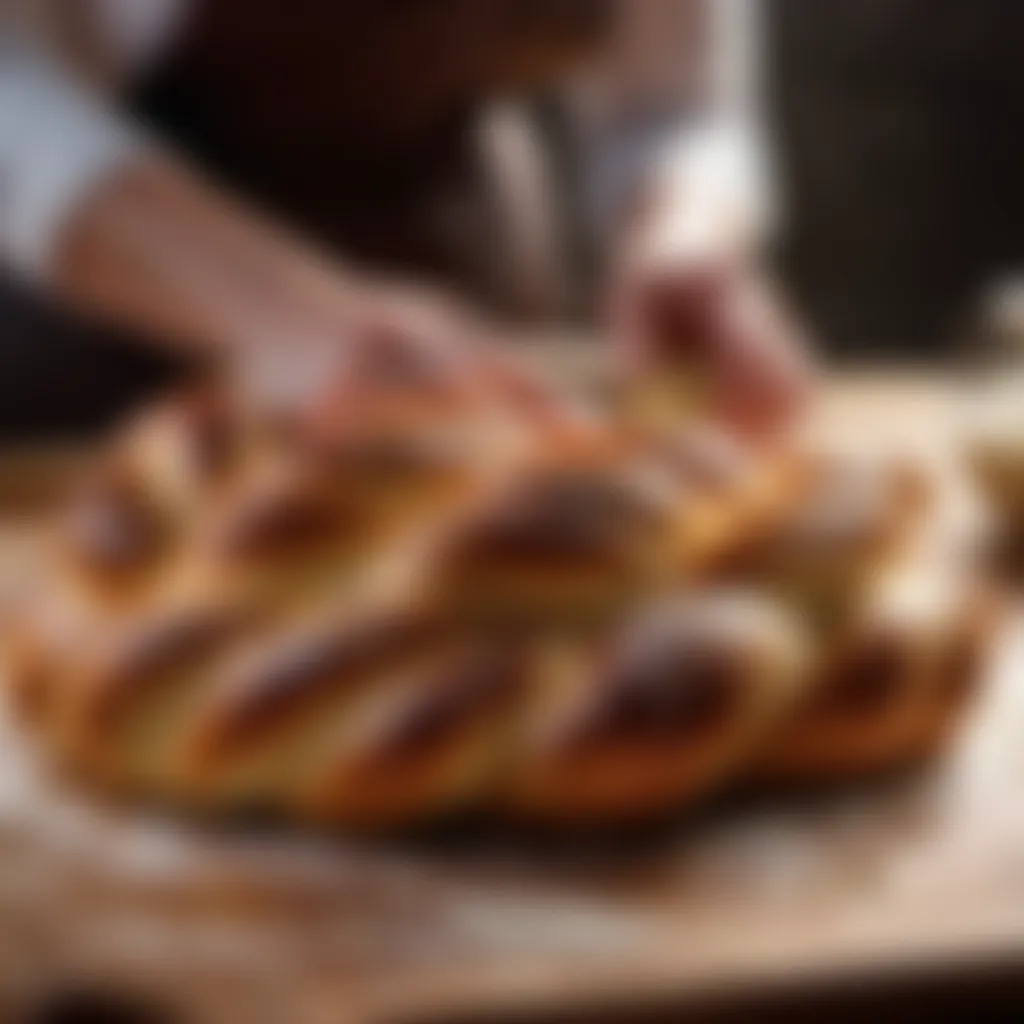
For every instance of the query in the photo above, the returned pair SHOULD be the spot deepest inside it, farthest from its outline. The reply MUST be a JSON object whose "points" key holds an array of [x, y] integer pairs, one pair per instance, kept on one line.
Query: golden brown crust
{"points": [[582, 529], [379, 613], [113, 536], [728, 499], [279, 520], [892, 682], [424, 750], [960, 663], [656, 717], [119, 696], [305, 674], [848, 515], [38, 643], [142, 655]]}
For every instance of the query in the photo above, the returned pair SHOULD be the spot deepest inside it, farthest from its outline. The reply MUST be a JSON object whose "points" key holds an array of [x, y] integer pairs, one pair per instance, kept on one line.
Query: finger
{"points": [[664, 316], [760, 366], [540, 401]]}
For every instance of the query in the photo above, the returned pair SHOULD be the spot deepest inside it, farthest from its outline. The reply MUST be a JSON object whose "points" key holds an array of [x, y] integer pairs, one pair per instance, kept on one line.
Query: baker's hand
{"points": [[722, 324], [688, 292], [387, 343]]}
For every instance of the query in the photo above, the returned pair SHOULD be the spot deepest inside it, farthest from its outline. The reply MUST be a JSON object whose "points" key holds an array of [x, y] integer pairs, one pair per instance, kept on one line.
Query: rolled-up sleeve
{"points": [[680, 103], [59, 132], [57, 140]]}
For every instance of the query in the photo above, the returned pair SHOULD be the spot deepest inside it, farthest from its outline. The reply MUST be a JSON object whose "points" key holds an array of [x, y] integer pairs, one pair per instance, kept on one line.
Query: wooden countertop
{"points": [[923, 871]]}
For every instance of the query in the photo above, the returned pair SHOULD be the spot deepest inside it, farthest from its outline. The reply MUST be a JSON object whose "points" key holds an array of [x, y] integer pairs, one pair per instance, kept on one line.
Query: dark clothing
{"points": [[354, 120]]}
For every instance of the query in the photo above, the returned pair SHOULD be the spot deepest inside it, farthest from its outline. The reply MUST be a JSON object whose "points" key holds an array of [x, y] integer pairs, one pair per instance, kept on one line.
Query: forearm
{"points": [[157, 249], [97, 214]]}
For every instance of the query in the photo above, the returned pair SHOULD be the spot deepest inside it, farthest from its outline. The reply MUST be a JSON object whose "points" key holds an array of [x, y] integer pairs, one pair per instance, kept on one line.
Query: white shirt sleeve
{"points": [[59, 137], [56, 143], [729, 152], [683, 103]]}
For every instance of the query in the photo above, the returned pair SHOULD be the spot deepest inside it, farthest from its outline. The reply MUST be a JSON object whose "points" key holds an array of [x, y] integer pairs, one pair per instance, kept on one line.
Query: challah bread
{"points": [[587, 528], [965, 627], [374, 718], [285, 535], [41, 638], [405, 462], [208, 495], [852, 515], [728, 495], [998, 466], [655, 715], [379, 612], [892, 680], [393, 716], [120, 536], [189, 447], [115, 535], [572, 534], [125, 527], [385, 719], [992, 441], [113, 717]]}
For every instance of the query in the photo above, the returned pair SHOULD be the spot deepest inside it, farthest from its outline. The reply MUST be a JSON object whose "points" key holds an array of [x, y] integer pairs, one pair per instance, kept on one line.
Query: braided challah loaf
{"points": [[892, 678], [381, 611], [392, 716]]}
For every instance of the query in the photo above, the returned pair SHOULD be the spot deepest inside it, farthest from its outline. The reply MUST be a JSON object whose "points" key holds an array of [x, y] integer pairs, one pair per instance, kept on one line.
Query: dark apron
{"points": [[349, 119]]}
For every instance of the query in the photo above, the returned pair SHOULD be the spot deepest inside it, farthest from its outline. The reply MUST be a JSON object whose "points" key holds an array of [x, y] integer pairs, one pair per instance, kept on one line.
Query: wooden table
{"points": [[918, 874]]}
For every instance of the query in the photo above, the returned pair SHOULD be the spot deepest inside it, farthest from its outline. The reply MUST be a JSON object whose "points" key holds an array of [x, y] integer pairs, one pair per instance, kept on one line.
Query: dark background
{"points": [[901, 155]]}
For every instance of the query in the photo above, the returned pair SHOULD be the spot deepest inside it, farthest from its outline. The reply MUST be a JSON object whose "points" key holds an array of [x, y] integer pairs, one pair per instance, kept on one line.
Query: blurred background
{"points": [[896, 129], [495, 147]]}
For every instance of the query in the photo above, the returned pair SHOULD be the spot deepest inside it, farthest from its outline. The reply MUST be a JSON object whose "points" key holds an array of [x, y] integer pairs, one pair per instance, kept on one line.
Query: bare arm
{"points": [[100, 216], [156, 248]]}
